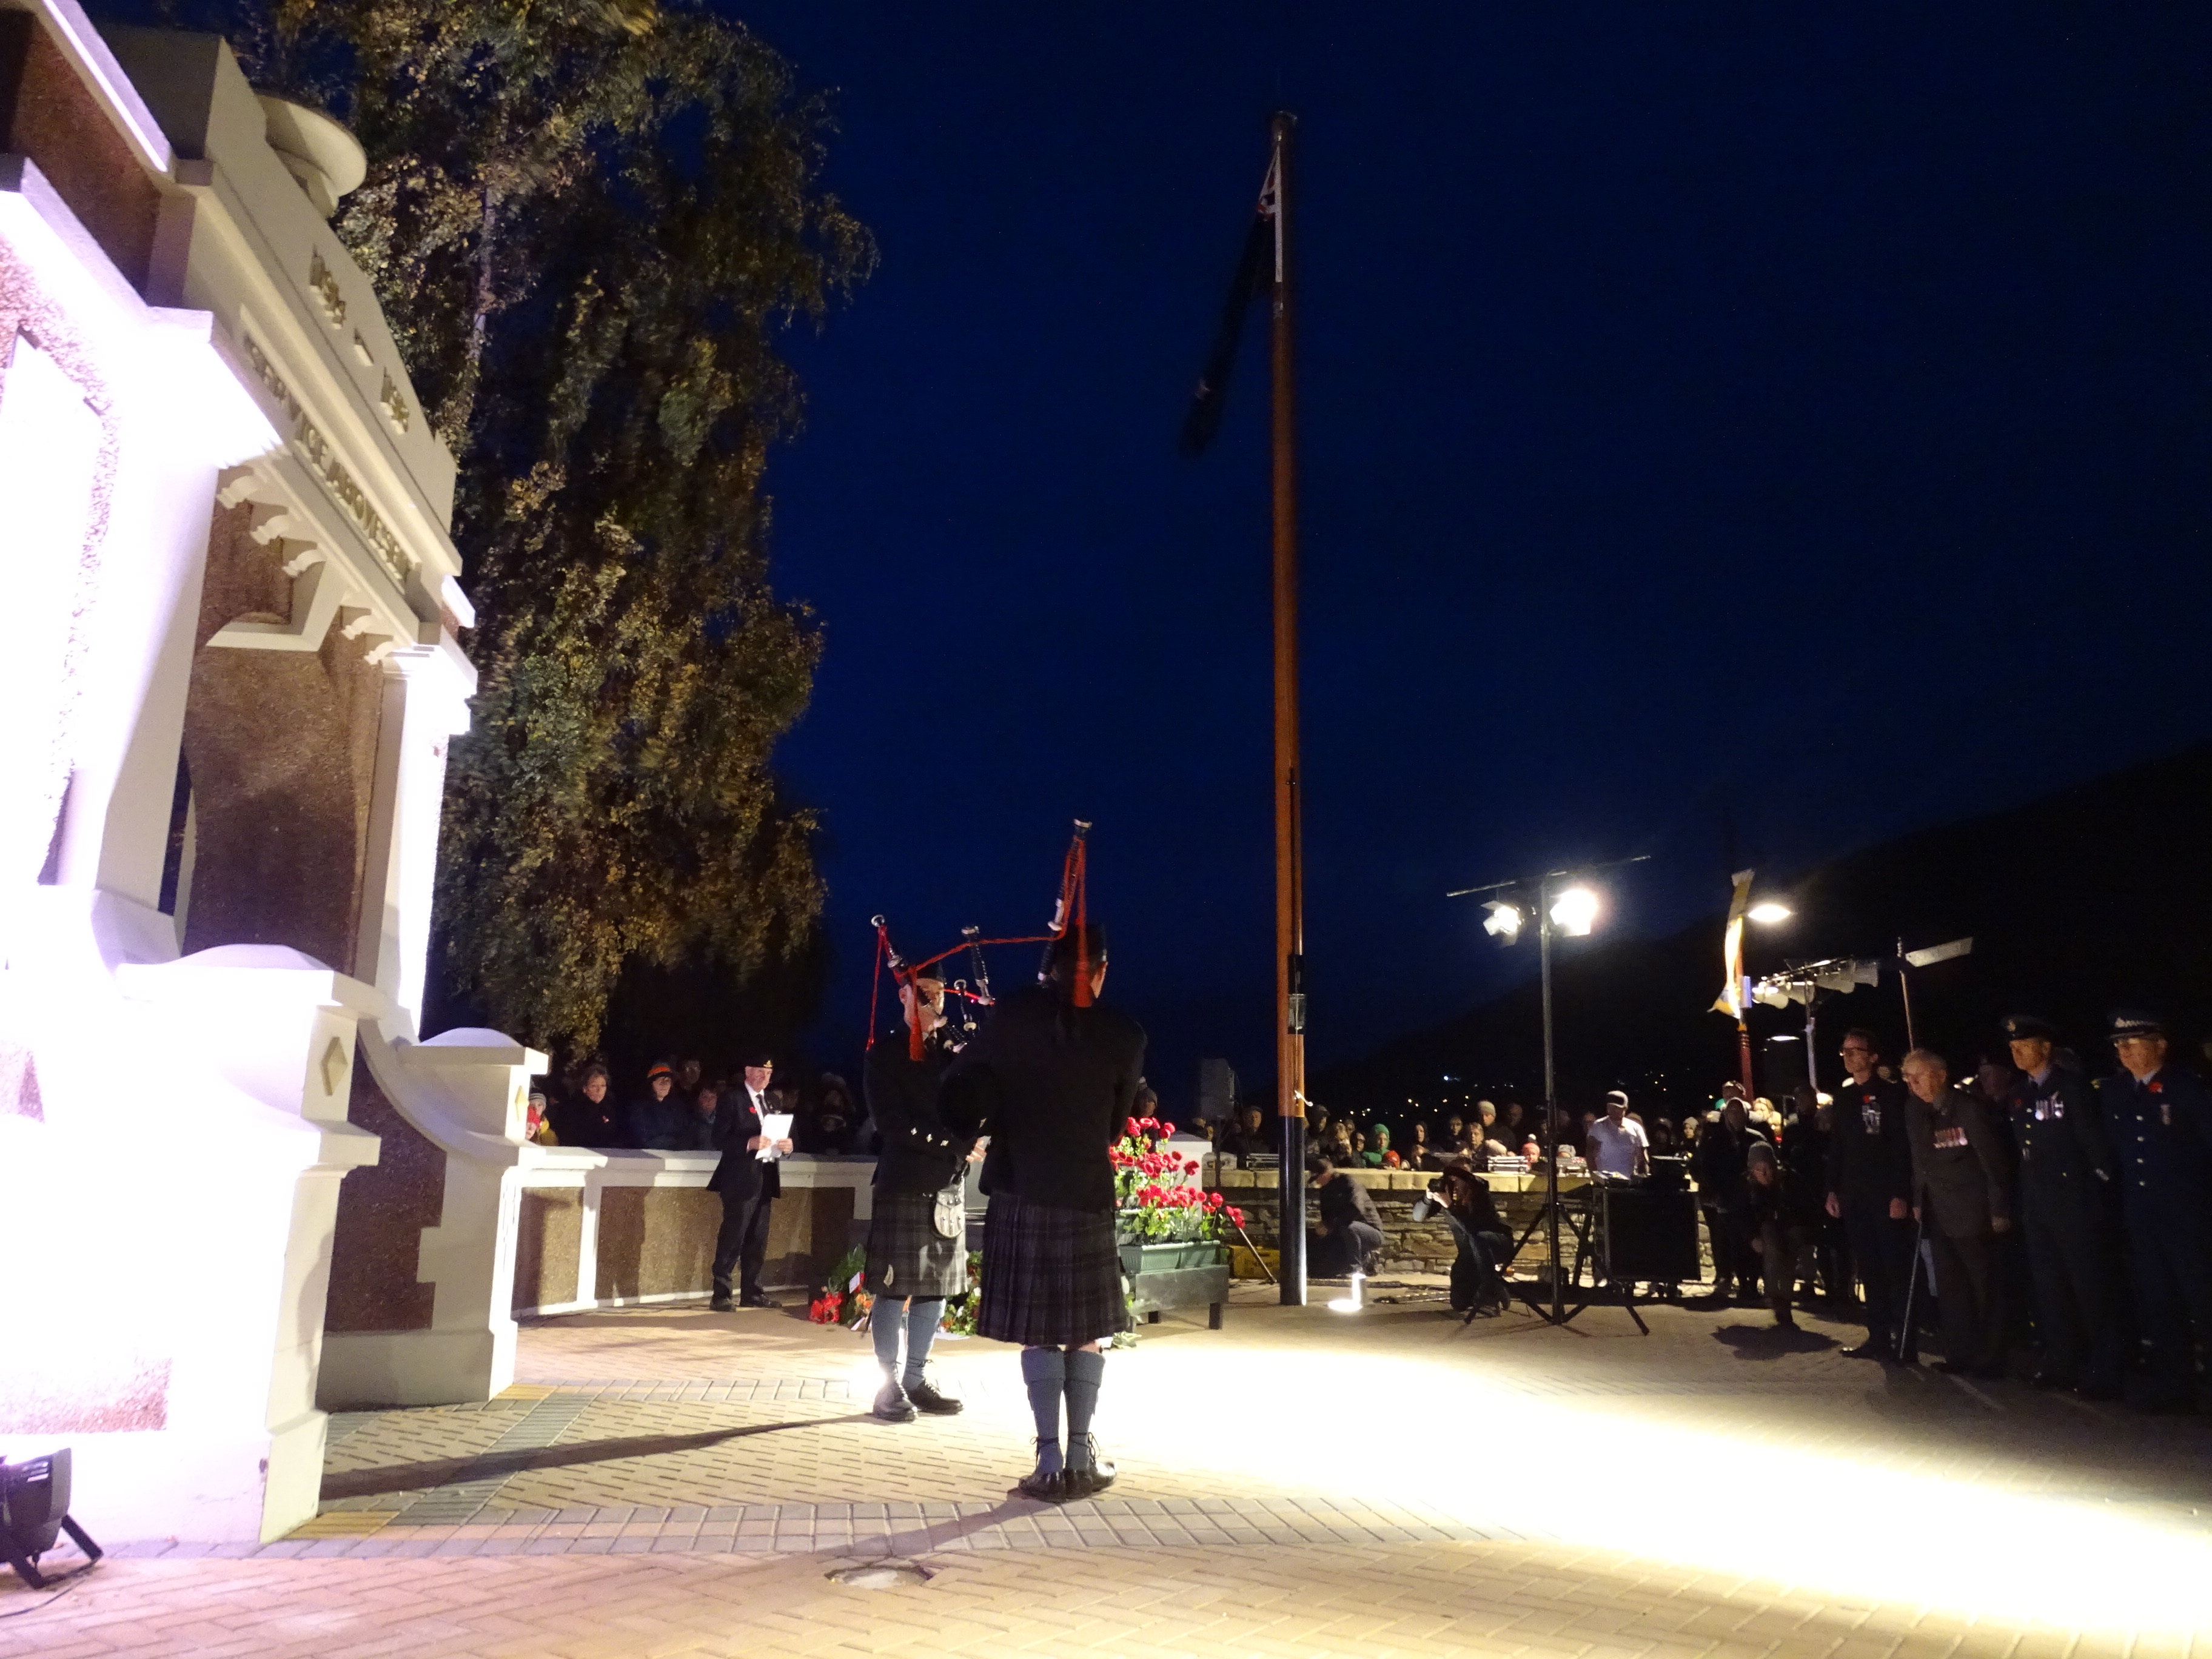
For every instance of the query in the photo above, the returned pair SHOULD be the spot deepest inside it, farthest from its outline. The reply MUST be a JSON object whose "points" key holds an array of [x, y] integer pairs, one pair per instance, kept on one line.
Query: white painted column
{"points": [[426, 692]]}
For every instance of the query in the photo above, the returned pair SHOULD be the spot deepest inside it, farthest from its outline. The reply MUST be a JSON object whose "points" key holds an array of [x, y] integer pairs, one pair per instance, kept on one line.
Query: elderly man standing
{"points": [[2158, 1121], [1959, 1184], [749, 1184], [2065, 1192]]}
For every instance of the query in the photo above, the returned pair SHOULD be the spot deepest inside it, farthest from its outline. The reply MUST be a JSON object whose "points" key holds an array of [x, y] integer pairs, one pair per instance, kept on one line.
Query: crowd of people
{"points": [[673, 1107], [2027, 1205]]}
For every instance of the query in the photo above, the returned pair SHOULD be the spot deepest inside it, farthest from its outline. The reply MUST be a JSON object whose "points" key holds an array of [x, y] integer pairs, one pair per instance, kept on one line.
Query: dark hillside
{"points": [[2090, 897]]}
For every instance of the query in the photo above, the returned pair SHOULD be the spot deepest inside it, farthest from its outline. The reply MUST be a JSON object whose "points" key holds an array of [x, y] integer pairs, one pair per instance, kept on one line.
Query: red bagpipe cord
{"points": [[1073, 907]]}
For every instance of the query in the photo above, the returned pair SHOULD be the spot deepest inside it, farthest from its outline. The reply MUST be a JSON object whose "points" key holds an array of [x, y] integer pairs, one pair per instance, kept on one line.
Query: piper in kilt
{"points": [[918, 1229], [1053, 1076]]}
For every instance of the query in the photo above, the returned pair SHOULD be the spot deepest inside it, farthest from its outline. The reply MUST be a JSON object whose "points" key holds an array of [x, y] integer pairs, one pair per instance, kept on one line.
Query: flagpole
{"points": [[1290, 896]]}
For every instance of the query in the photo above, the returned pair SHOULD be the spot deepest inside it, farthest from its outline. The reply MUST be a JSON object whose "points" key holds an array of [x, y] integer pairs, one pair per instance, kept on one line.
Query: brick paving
{"points": [[668, 1480]]}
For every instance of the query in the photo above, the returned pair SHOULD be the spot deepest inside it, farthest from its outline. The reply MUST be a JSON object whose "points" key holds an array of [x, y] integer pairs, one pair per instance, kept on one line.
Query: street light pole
{"points": [[1551, 1098]]}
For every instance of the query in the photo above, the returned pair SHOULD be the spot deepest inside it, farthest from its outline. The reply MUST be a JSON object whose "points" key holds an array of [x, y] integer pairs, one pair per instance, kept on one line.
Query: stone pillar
{"points": [[425, 692], [468, 1092], [270, 1033]]}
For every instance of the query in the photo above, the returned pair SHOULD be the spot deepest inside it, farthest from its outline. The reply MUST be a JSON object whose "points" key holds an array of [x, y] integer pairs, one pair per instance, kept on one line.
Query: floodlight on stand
{"points": [[1769, 913], [1575, 911], [1503, 921]]}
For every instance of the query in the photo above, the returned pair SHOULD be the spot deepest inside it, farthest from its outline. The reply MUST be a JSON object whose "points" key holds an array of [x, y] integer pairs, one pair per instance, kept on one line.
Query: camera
{"points": [[1430, 1203]]}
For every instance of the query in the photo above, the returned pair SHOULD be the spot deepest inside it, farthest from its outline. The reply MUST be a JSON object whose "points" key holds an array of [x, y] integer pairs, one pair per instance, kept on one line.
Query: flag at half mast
{"points": [[1258, 271], [1731, 998]]}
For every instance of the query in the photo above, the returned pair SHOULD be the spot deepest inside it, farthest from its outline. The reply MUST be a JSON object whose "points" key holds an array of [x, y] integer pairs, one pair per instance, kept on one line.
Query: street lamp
{"points": [[1768, 913], [1575, 911], [1571, 909]]}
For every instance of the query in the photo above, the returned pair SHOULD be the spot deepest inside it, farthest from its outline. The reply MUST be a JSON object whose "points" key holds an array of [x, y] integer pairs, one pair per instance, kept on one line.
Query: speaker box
{"points": [[1655, 1234]]}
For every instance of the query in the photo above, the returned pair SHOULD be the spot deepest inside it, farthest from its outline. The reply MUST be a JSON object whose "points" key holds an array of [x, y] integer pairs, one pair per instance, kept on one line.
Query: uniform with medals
{"points": [[1959, 1170], [2160, 1132], [2065, 1204]]}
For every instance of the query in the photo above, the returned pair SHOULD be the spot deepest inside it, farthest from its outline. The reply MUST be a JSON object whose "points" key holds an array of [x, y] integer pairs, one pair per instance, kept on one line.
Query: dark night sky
{"points": [[1799, 412]]}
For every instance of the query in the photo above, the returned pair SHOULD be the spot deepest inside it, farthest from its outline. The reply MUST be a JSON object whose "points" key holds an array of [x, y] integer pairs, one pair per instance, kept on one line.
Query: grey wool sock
{"points": [[921, 1317], [1085, 1371], [884, 1325], [1045, 1371]]}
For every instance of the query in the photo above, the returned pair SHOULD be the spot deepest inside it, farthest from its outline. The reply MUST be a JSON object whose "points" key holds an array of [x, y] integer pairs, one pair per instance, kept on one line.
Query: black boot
{"points": [[928, 1398], [1047, 1485], [1087, 1472]]}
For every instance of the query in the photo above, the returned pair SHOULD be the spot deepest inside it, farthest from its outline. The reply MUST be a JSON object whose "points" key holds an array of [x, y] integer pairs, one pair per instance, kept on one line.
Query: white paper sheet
{"points": [[774, 1127]]}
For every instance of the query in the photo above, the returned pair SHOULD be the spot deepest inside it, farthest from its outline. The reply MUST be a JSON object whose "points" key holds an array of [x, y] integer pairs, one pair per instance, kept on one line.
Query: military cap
{"points": [[2134, 1023], [2023, 1028], [759, 1057]]}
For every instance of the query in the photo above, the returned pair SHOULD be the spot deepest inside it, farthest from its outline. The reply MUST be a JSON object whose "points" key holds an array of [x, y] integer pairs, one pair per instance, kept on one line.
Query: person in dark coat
{"points": [[1348, 1230], [2065, 1200], [586, 1118], [1720, 1158], [661, 1119], [747, 1184], [1961, 1183], [1462, 1198], [1870, 1191], [917, 1251], [2158, 1121], [1773, 1222], [1805, 1141], [1053, 1077]]}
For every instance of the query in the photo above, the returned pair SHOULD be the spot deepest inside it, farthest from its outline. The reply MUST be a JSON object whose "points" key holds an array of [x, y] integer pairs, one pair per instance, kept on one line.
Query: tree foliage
{"points": [[589, 220]]}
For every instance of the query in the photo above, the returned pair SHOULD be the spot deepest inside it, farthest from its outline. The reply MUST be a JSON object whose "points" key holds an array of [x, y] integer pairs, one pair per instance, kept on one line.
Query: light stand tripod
{"points": [[1505, 922]]}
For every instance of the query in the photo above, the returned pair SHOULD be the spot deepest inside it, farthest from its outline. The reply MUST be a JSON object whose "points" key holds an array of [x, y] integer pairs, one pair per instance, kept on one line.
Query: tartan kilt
{"points": [[1050, 1276], [907, 1256]]}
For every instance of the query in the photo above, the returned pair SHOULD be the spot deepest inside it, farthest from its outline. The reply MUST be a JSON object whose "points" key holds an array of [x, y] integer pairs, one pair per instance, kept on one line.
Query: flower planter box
{"points": [[1193, 1275]]}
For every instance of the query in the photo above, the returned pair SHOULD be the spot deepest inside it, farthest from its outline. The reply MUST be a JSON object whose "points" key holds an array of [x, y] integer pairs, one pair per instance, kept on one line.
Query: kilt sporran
{"points": [[909, 1251]]}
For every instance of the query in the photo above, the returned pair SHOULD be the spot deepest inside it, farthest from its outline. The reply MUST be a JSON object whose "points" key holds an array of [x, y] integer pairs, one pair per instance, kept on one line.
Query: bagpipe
{"points": [[1073, 908]]}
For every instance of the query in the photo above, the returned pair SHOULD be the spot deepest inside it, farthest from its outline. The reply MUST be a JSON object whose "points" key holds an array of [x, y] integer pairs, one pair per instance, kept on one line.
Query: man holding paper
{"points": [[752, 1139]]}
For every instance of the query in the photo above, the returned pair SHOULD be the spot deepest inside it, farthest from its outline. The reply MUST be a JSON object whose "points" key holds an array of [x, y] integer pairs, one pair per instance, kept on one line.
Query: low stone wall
{"points": [[611, 1230]]}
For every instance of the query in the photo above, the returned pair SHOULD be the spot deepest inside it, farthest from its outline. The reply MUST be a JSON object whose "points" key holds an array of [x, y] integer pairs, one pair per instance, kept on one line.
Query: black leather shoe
{"points": [[757, 1299], [722, 1304], [1091, 1473], [927, 1399], [1046, 1487], [892, 1404]]}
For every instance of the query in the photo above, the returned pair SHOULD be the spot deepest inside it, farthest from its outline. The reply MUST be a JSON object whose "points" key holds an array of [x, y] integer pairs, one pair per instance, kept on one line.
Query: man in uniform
{"points": [[2159, 1121], [2065, 1194], [748, 1184], [1870, 1191], [1961, 1196]]}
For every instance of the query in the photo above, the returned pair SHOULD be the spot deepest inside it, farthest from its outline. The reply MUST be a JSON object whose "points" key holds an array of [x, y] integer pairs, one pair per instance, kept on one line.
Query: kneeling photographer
{"points": [[1462, 1199]]}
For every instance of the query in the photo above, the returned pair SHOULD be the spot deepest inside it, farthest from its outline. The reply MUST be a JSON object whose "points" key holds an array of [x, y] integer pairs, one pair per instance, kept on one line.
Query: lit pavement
{"points": [[673, 1482]]}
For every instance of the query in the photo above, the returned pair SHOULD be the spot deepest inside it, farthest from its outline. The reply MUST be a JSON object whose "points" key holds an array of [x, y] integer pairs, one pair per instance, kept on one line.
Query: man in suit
{"points": [[1962, 1197], [748, 1184], [1870, 1192]]}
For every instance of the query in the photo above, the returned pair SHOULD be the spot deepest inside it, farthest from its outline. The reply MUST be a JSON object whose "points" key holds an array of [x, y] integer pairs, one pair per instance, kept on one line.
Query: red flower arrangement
{"points": [[825, 1307], [1156, 1210]]}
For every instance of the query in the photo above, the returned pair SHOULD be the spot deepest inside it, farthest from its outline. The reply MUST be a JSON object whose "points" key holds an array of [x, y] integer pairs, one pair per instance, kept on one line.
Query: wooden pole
{"points": [[1290, 897]]}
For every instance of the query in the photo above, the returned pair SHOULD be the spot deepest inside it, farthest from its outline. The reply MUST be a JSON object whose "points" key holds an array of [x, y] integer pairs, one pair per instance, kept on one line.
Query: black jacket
{"points": [[741, 1174], [1342, 1201], [2065, 1162], [1869, 1159], [578, 1122], [922, 1153], [663, 1126], [1053, 1084], [1719, 1162], [1959, 1163]]}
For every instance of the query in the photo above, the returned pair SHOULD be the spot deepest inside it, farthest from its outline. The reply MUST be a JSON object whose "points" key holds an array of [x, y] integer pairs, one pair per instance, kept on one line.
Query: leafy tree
{"points": [[588, 221]]}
